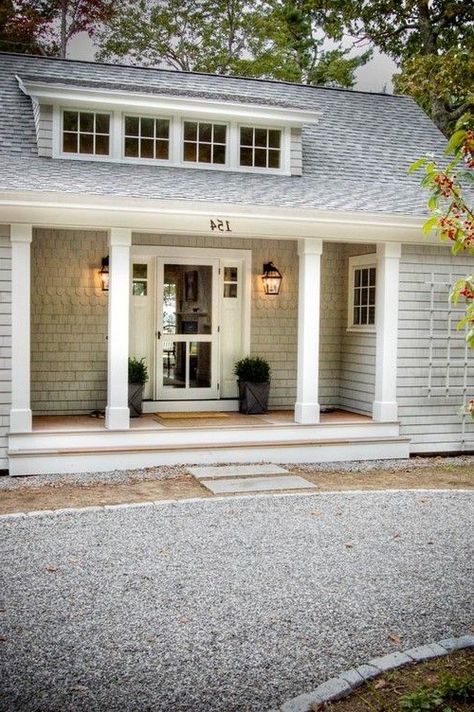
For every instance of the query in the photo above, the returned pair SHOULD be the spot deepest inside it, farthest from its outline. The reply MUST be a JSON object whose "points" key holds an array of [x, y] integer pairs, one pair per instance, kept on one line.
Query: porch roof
{"points": [[355, 158]]}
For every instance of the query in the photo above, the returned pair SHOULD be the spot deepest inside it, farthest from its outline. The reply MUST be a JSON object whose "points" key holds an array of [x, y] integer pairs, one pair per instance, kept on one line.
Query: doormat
{"points": [[192, 415]]}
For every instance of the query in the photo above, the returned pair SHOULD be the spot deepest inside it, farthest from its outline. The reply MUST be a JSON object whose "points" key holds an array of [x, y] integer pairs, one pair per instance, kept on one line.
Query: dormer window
{"points": [[86, 132], [204, 142], [146, 137], [259, 147]]}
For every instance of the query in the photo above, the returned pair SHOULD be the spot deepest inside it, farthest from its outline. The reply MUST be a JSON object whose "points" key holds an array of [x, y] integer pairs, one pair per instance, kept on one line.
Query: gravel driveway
{"points": [[225, 605]]}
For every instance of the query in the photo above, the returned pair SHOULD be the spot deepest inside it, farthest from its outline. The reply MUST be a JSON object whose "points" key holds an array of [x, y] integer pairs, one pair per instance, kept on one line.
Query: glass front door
{"points": [[186, 333]]}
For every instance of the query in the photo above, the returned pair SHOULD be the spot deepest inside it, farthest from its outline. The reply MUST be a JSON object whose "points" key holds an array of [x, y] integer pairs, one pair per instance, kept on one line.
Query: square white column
{"points": [[309, 297], [385, 406], [21, 236], [117, 413]]}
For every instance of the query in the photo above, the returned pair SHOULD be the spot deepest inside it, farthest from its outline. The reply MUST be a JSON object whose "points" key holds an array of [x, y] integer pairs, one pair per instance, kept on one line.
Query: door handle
{"points": [[158, 334]]}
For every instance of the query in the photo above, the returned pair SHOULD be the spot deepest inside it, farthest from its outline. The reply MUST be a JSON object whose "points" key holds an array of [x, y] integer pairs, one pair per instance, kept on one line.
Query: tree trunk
{"points": [[63, 48]]}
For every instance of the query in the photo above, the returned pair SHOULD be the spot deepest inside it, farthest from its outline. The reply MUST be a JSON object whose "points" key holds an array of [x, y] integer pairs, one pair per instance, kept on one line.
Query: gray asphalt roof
{"points": [[355, 158]]}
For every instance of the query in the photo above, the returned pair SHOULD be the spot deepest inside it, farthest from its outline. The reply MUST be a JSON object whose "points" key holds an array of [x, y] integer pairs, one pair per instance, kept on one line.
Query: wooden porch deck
{"points": [[81, 423]]}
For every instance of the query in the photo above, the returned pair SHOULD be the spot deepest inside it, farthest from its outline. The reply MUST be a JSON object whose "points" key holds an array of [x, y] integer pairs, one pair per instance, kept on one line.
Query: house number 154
{"points": [[220, 225]]}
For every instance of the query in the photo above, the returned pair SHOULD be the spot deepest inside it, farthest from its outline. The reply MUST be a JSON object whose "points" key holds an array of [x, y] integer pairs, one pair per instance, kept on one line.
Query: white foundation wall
{"points": [[5, 342], [68, 322], [435, 368]]}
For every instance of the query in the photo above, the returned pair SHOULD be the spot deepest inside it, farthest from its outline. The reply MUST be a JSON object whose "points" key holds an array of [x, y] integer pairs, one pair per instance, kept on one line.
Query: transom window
{"points": [[147, 137], [204, 142], [362, 281], [260, 148], [86, 132]]}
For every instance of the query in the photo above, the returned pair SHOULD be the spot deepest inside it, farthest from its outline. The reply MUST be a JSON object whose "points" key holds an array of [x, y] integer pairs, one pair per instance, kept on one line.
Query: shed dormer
{"points": [[125, 124]]}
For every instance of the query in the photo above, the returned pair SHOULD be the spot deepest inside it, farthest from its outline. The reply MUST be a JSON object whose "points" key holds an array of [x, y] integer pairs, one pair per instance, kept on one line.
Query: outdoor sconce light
{"points": [[104, 274], [271, 279]]}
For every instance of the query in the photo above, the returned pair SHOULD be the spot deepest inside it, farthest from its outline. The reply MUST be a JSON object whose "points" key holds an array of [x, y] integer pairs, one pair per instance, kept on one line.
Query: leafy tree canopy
{"points": [[431, 41], [279, 39], [46, 26]]}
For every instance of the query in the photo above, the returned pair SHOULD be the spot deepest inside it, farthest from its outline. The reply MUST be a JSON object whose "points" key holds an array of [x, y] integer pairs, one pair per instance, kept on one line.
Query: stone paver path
{"points": [[229, 479]]}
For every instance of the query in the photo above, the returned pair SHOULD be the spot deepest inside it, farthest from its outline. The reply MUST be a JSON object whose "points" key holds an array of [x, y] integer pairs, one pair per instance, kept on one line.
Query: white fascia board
{"points": [[67, 210], [112, 99]]}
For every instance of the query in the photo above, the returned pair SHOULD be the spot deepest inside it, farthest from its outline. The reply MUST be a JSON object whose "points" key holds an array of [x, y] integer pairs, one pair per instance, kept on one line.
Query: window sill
{"points": [[361, 330]]}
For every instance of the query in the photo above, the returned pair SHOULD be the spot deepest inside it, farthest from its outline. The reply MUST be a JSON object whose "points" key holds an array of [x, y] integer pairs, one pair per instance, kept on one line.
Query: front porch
{"points": [[83, 444], [333, 393]]}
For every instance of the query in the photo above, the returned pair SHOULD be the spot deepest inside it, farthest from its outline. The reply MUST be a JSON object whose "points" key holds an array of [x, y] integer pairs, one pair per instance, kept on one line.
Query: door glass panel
{"points": [[174, 364], [200, 364], [187, 299]]}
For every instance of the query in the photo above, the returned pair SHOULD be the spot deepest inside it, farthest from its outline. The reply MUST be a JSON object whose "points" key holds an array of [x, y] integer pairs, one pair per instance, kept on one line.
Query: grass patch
{"points": [[444, 684]]}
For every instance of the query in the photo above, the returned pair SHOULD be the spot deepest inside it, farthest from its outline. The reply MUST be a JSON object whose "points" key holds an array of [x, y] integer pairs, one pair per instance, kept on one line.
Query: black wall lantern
{"points": [[271, 279], [104, 274]]}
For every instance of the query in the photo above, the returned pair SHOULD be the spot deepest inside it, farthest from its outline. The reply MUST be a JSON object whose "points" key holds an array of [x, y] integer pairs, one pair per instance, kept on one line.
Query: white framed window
{"points": [[260, 147], [146, 137], [204, 142], [85, 132], [362, 289]]}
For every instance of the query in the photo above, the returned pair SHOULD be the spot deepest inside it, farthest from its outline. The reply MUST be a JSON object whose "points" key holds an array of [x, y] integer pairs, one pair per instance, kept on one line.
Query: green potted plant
{"points": [[137, 377], [253, 374]]}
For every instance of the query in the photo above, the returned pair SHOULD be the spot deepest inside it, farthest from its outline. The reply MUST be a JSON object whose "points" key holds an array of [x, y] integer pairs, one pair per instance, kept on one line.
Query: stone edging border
{"points": [[216, 498], [338, 687]]}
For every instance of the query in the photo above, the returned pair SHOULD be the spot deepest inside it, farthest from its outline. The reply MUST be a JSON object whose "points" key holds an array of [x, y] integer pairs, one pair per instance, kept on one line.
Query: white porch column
{"points": [[386, 321], [20, 414], [307, 405], [117, 414]]}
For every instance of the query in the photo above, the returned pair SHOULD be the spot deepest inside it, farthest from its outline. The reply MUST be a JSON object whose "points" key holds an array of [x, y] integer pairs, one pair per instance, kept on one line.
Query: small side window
{"points": [[362, 288], [140, 280], [231, 282]]}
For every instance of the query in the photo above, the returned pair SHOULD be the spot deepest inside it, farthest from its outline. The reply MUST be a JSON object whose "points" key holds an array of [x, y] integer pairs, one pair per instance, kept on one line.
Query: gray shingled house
{"points": [[139, 212]]}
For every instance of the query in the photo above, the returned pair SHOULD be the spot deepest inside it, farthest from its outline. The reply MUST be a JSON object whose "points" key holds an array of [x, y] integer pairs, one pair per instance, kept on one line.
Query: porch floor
{"points": [[150, 421]]}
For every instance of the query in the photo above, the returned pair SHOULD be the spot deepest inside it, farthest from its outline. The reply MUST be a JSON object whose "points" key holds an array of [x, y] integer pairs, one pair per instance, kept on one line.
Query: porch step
{"points": [[102, 458], [257, 484], [220, 471]]}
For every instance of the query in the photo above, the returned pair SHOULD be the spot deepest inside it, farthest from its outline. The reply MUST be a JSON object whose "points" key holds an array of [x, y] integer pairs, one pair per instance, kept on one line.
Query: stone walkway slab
{"points": [[236, 471], [256, 484]]}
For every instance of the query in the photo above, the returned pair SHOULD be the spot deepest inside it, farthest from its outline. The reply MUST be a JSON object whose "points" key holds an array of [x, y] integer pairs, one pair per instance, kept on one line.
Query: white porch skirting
{"points": [[50, 452]]}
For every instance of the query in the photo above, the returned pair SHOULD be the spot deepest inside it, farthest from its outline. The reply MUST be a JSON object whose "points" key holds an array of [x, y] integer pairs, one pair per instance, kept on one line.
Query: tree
{"points": [[452, 213], [46, 26], [22, 27], [270, 38], [293, 36], [431, 41], [191, 35]]}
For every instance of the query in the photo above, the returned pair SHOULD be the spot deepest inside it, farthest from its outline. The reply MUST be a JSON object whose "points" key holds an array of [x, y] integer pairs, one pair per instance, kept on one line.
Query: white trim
{"points": [[205, 256], [117, 415], [191, 217], [220, 110], [21, 236], [309, 297], [366, 261], [385, 406]]}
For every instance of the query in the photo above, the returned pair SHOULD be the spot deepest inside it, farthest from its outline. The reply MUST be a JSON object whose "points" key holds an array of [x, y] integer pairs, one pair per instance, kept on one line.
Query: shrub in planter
{"points": [[137, 377], [253, 375]]}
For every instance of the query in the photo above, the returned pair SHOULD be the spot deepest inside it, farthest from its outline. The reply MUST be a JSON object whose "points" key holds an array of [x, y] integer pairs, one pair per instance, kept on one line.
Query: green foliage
{"points": [[278, 39], [432, 43], [46, 26], [137, 370], [452, 217], [450, 689], [252, 369]]}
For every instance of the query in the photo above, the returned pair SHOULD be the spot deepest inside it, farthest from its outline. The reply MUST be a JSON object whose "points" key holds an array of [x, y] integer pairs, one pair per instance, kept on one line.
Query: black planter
{"points": [[253, 397], [135, 399]]}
